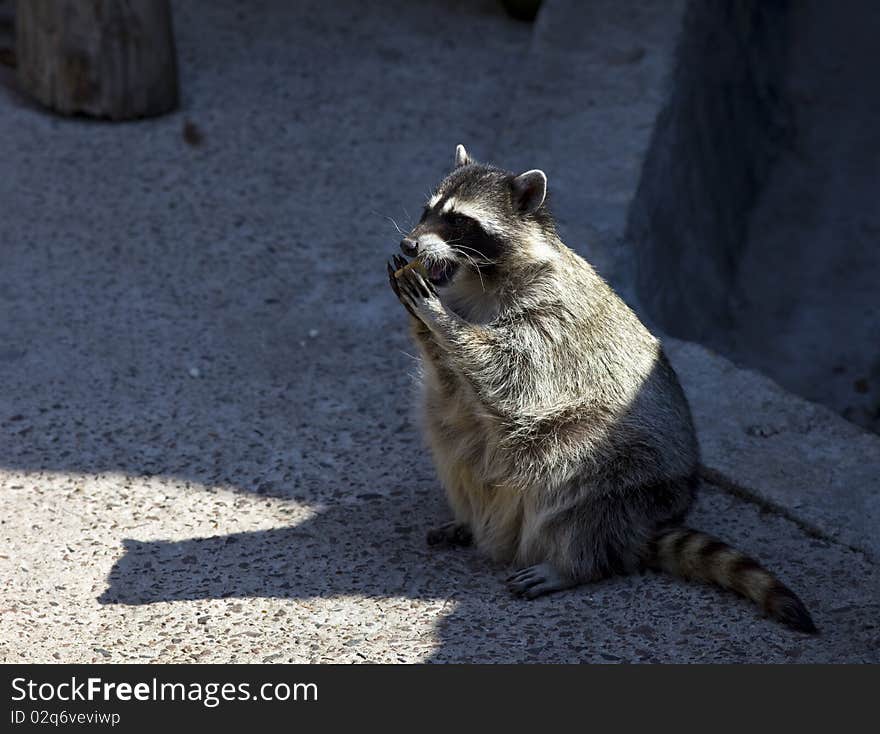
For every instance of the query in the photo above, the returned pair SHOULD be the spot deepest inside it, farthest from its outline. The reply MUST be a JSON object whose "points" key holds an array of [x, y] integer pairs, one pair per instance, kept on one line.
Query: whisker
{"points": [[396, 226], [476, 266], [483, 259], [390, 219]]}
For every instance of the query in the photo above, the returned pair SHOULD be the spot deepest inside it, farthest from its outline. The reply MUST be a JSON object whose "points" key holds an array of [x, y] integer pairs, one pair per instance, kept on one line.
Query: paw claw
{"points": [[391, 279], [534, 581], [414, 291]]}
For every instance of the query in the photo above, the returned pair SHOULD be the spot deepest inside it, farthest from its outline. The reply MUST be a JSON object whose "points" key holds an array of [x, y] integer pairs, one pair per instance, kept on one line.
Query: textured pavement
{"points": [[207, 450]]}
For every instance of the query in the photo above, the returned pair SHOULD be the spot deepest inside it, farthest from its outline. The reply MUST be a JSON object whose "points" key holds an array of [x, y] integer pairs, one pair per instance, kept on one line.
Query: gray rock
{"points": [[783, 450]]}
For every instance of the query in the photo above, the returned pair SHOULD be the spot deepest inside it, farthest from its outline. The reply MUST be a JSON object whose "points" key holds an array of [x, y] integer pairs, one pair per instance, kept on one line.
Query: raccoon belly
{"points": [[458, 442]]}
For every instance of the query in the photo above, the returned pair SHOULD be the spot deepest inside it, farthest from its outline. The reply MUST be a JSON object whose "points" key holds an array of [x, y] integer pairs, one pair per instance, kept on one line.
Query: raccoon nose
{"points": [[409, 246]]}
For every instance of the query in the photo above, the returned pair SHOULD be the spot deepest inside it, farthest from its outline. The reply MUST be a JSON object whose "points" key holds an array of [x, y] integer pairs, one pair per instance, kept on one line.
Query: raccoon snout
{"points": [[409, 246]]}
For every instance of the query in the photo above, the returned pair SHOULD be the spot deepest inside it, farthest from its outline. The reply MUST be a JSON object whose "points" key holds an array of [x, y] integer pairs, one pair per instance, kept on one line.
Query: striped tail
{"points": [[698, 556]]}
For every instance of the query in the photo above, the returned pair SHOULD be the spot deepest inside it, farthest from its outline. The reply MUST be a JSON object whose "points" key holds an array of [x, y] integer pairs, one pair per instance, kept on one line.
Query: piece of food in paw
{"points": [[414, 264]]}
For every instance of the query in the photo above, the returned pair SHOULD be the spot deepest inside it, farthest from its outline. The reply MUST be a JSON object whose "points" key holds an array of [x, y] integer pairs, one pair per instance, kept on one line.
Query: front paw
{"points": [[414, 291]]}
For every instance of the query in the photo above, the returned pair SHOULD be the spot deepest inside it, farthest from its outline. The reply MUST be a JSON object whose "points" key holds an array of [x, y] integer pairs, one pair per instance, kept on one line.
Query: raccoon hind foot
{"points": [[534, 581], [451, 533]]}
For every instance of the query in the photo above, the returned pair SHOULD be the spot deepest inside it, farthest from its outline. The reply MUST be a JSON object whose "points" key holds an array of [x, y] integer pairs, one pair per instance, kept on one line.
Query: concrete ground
{"points": [[206, 444]]}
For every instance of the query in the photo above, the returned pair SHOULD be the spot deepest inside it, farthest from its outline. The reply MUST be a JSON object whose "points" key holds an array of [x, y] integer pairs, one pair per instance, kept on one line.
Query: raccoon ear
{"points": [[461, 156], [529, 191]]}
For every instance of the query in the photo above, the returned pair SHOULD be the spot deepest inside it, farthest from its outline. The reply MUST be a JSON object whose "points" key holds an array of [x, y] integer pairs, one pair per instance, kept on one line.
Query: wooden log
{"points": [[104, 58]]}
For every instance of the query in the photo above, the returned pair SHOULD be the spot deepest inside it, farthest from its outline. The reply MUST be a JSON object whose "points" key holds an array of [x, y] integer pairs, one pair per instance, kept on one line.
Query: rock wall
{"points": [[723, 124]]}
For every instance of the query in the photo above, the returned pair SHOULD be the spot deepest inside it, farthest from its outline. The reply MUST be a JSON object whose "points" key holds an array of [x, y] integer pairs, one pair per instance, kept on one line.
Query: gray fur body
{"points": [[558, 428], [553, 428]]}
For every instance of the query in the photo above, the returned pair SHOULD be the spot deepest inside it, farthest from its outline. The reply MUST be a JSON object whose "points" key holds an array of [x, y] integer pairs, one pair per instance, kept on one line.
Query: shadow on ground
{"points": [[219, 316], [376, 549]]}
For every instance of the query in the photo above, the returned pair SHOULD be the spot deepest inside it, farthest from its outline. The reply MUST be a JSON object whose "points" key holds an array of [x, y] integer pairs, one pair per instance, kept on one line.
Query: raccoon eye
{"points": [[456, 218], [424, 214]]}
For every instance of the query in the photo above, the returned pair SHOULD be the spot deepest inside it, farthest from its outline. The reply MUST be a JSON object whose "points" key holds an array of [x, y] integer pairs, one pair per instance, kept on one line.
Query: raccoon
{"points": [[557, 426]]}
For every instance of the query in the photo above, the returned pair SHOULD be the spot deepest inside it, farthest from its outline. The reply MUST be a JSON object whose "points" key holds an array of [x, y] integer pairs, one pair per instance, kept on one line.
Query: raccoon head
{"points": [[481, 220]]}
